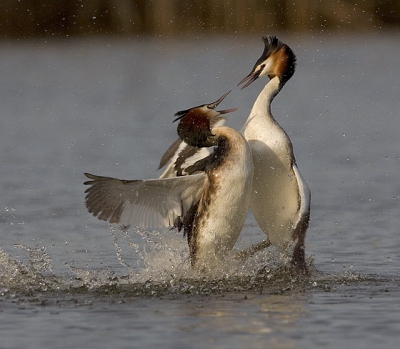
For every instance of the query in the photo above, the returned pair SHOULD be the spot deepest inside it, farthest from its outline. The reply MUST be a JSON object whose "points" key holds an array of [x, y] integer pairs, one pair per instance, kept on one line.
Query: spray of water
{"points": [[157, 263]]}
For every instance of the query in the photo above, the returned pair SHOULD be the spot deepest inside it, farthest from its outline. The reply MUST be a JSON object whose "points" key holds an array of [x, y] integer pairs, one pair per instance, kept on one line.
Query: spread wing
{"points": [[181, 155], [170, 153], [143, 203]]}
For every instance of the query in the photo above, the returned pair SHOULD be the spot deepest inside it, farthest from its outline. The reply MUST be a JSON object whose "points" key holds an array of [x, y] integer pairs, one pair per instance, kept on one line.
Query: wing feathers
{"points": [[144, 203], [169, 154]]}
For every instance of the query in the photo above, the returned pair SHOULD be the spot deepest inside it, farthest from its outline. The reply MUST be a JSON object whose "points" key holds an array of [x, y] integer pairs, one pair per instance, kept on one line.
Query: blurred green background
{"points": [[26, 18]]}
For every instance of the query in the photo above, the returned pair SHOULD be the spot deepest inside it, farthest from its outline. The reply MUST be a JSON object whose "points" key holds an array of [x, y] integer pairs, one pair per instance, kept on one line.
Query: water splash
{"points": [[39, 260], [156, 263], [157, 253], [92, 279], [36, 276], [165, 267]]}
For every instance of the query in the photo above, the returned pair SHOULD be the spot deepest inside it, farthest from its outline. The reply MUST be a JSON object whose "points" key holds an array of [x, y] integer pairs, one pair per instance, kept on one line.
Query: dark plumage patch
{"points": [[181, 114], [186, 153], [214, 160], [200, 165], [220, 152], [286, 63], [194, 128], [189, 230], [272, 44]]}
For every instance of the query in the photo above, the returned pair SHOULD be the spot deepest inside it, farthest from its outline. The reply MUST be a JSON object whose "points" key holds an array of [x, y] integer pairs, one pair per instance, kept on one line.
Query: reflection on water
{"points": [[265, 319]]}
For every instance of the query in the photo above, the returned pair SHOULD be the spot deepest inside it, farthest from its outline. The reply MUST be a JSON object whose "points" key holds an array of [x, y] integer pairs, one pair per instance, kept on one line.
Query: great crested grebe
{"points": [[280, 198], [210, 202]]}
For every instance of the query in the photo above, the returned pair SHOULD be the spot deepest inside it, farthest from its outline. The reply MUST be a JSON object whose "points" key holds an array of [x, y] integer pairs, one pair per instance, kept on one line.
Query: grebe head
{"points": [[195, 123], [277, 59]]}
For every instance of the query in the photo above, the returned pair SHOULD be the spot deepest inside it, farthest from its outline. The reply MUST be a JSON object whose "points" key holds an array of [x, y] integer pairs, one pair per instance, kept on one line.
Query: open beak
{"points": [[217, 102], [253, 76], [180, 115]]}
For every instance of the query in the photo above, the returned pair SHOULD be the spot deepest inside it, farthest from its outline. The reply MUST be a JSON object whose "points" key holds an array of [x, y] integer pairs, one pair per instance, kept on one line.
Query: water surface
{"points": [[105, 106]]}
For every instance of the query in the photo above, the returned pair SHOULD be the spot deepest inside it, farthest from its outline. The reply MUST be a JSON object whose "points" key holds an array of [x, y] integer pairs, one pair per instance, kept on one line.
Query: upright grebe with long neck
{"points": [[280, 199], [210, 203]]}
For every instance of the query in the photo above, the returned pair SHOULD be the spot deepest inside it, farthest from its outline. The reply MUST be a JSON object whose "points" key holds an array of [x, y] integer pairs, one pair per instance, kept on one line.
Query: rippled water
{"points": [[105, 106]]}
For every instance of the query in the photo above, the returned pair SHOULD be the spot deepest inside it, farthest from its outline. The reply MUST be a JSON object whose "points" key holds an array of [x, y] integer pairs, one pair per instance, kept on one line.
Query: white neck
{"points": [[261, 125], [262, 105]]}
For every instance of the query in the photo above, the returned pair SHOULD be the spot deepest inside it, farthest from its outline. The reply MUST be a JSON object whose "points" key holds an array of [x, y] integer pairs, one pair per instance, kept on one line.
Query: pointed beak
{"points": [[215, 104], [253, 76], [226, 111], [180, 115]]}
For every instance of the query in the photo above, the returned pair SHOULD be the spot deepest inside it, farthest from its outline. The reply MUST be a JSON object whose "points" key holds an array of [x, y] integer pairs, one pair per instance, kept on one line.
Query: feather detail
{"points": [[143, 203]]}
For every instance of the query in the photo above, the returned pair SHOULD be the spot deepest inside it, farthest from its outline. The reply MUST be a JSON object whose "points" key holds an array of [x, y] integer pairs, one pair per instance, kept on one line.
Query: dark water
{"points": [[106, 106]]}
